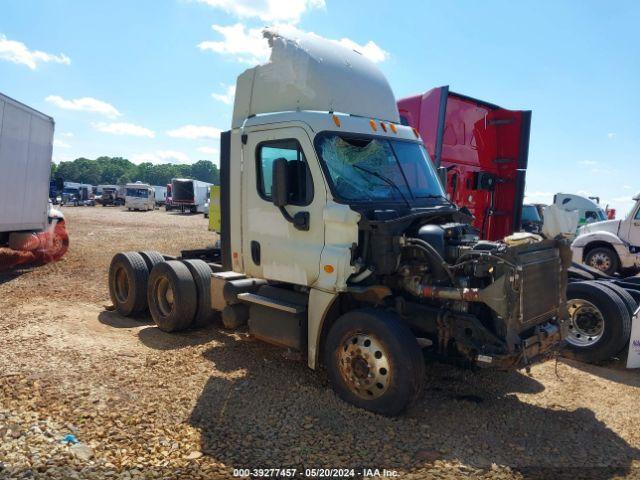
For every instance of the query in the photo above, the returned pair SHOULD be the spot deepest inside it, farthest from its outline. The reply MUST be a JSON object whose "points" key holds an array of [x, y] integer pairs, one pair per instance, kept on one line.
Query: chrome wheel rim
{"points": [[122, 285], [586, 323], [364, 365], [601, 261], [164, 294]]}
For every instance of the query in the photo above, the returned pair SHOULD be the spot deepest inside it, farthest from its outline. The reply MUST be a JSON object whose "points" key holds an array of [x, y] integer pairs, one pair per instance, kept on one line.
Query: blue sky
{"points": [[150, 79]]}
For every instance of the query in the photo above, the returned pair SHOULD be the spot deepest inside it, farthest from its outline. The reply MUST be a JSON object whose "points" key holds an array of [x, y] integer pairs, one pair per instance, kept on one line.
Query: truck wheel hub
{"points": [[586, 323], [122, 286], [601, 261], [364, 366], [164, 294]]}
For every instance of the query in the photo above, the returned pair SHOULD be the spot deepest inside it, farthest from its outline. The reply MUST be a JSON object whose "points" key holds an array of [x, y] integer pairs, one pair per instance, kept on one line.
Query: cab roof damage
{"points": [[308, 72]]}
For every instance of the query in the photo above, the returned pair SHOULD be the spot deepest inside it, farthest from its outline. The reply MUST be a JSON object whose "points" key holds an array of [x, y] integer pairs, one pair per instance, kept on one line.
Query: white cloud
{"points": [[57, 158], [60, 144], [611, 136], [370, 49], [227, 96], [85, 104], [66, 134], [117, 128], [622, 200], [194, 132], [627, 187], [244, 45], [247, 45], [208, 150], [161, 156], [18, 52], [538, 197], [587, 162], [267, 10]]}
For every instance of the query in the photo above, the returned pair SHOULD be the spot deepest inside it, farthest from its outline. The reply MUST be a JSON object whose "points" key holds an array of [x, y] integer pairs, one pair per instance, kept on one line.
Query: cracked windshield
{"points": [[365, 169]]}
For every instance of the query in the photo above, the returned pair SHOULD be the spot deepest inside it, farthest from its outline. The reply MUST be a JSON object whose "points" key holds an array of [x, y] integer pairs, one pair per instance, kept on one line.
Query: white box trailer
{"points": [[161, 194], [26, 143], [189, 195]]}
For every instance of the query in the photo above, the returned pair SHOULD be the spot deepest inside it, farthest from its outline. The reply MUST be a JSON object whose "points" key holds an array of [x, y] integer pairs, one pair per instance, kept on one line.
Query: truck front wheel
{"points": [[604, 259], [374, 361]]}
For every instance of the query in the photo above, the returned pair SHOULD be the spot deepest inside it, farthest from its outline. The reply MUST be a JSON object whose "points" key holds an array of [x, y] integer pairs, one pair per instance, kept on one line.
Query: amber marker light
{"points": [[373, 125], [328, 268], [336, 120]]}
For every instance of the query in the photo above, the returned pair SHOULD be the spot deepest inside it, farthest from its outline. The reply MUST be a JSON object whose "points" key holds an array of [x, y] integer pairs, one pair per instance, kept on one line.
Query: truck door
{"points": [[633, 226], [272, 247]]}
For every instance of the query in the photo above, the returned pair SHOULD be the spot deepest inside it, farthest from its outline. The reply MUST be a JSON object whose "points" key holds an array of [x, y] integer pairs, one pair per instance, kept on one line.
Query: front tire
{"points": [[374, 361], [604, 259]]}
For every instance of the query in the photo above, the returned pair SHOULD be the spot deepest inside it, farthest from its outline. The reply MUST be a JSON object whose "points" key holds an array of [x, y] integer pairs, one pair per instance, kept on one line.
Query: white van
{"points": [[139, 196]]}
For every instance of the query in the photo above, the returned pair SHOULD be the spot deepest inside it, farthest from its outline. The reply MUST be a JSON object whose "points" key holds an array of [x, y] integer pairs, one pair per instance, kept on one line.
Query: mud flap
{"points": [[633, 358]]}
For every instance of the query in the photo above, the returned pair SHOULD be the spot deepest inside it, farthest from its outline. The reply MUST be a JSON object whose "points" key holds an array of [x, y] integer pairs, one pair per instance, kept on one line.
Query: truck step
{"points": [[272, 303]]}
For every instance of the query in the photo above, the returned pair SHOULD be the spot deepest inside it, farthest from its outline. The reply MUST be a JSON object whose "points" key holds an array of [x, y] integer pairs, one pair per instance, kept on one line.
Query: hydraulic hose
{"points": [[433, 254]]}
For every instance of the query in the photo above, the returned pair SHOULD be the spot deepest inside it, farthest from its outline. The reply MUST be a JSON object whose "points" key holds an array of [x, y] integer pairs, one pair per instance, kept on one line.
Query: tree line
{"points": [[118, 171]]}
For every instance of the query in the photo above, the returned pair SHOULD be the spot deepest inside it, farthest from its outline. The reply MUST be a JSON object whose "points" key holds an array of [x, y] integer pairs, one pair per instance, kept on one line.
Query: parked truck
{"points": [[168, 204], [189, 195], [484, 150], [337, 240], [111, 195], [31, 230], [611, 246], [78, 195], [588, 209]]}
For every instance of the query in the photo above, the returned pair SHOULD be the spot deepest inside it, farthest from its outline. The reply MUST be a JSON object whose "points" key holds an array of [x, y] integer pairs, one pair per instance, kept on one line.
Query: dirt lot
{"points": [[145, 404]]}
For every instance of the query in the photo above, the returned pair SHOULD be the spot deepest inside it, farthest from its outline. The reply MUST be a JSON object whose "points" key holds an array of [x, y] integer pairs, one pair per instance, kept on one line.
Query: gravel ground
{"points": [[145, 404]]}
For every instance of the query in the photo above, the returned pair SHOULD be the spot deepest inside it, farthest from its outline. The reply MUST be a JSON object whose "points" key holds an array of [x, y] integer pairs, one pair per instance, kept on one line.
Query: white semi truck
{"points": [[611, 245], [337, 240], [28, 222]]}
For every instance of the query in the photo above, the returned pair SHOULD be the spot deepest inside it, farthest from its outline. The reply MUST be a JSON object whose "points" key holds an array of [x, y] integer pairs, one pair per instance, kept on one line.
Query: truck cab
{"points": [[337, 241], [589, 211], [610, 245]]}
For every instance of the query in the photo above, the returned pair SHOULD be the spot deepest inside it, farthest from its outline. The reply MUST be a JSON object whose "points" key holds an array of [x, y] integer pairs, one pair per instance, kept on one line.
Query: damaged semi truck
{"points": [[337, 240]]}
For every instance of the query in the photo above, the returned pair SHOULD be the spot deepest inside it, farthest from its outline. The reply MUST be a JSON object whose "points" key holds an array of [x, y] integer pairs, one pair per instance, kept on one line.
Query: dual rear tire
{"points": [[177, 293]]}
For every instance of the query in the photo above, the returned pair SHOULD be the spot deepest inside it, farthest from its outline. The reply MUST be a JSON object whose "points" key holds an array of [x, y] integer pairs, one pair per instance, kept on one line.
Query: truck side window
{"points": [[300, 180]]}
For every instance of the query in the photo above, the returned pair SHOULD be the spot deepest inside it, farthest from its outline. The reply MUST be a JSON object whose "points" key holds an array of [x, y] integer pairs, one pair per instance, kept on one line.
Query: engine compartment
{"points": [[486, 303]]}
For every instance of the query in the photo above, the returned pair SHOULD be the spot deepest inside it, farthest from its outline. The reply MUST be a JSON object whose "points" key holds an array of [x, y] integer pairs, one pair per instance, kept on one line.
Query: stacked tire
{"points": [[176, 293], [600, 314]]}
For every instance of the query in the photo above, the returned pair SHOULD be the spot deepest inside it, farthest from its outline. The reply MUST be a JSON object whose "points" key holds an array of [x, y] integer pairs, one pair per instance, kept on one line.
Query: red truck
{"points": [[168, 202], [484, 148]]}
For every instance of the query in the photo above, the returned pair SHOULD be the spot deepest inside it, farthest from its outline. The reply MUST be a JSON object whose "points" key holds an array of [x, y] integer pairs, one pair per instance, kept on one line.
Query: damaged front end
{"points": [[517, 311], [479, 303]]}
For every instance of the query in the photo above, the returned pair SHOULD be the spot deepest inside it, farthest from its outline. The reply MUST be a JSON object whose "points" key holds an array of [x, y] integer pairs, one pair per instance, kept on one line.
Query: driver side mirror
{"points": [[280, 185]]}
